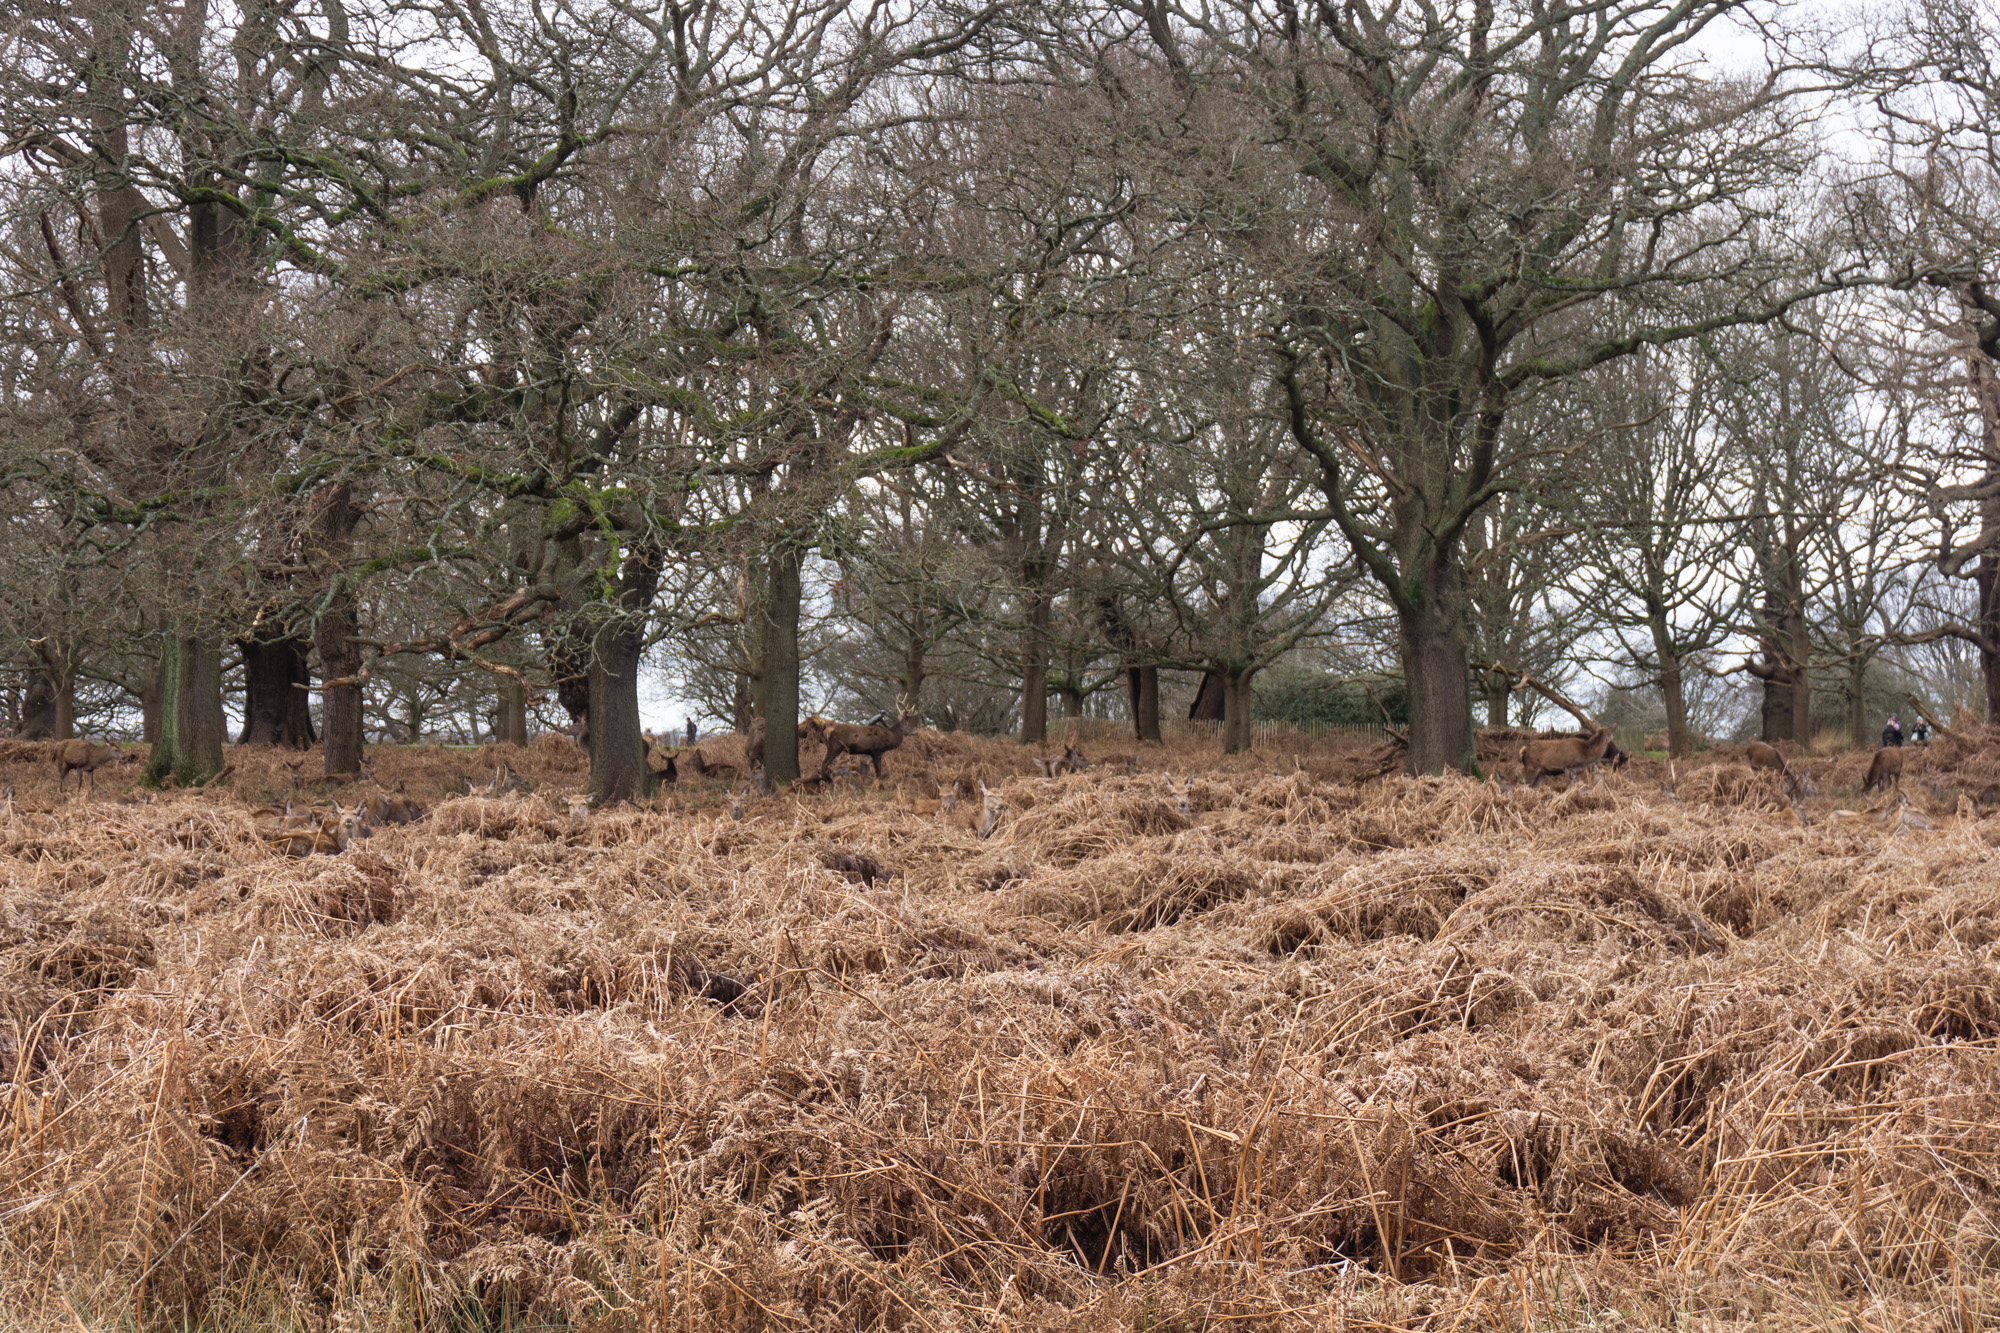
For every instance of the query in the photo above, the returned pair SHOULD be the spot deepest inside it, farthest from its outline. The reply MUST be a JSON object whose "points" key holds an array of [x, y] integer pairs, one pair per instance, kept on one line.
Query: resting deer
{"points": [[1180, 793], [871, 739], [81, 757], [1540, 759], [712, 770], [336, 833], [991, 812], [296, 767]]}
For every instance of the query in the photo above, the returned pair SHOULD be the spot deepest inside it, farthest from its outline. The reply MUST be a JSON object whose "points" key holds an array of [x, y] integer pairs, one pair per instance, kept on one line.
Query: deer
{"points": [[335, 834], [1761, 755], [296, 767], [1798, 781], [1180, 793], [1539, 759], [81, 757], [1987, 801], [393, 808], [507, 782], [660, 763], [712, 770], [577, 805], [870, 739], [991, 812], [1885, 770]]}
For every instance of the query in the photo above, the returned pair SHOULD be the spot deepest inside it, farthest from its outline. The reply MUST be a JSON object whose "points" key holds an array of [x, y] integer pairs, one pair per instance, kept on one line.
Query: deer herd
{"points": [[855, 752]]}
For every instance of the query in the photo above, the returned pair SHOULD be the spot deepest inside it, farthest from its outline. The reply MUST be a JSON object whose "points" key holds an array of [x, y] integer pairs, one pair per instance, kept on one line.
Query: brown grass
{"points": [[1415, 1054]]}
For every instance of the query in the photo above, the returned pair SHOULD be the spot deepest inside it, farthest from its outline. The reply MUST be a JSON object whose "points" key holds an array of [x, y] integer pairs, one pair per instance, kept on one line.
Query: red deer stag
{"points": [[1540, 759]]}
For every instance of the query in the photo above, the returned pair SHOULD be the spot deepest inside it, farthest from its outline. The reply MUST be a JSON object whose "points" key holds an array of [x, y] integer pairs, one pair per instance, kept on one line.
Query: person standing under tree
{"points": [[1921, 733], [1893, 733]]}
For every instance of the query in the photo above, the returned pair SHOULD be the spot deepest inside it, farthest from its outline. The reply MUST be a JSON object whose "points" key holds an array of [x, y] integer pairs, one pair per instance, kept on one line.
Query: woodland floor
{"points": [[1409, 1054]]}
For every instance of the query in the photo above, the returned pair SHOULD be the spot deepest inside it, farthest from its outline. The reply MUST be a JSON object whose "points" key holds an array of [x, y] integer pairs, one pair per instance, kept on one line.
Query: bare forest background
{"points": [[384, 371]]}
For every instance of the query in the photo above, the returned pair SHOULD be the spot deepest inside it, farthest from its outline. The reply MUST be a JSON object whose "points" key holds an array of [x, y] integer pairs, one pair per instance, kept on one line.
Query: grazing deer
{"points": [[1798, 781], [1761, 755], [1885, 770], [336, 833], [81, 757], [872, 740], [1540, 759]]}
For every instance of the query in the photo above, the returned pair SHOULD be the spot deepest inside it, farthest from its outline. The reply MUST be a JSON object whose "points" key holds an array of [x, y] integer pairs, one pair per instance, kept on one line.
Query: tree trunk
{"points": [[275, 710], [1673, 686], [1798, 648], [1035, 673], [1983, 374], [339, 623], [510, 721], [1498, 691], [38, 707], [1209, 699], [65, 683], [191, 722], [1435, 676], [1673, 693], [912, 682], [1238, 700], [1986, 578], [1857, 707], [340, 705], [617, 750], [1776, 713], [1142, 684], [781, 664], [152, 698]]}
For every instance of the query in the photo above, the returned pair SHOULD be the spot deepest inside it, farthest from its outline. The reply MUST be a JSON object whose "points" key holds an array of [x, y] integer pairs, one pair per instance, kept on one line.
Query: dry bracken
{"points": [[1234, 1050]]}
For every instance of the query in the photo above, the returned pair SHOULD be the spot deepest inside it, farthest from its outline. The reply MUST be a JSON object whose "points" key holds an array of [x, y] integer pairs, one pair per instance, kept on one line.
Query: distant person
{"points": [[1921, 733], [1892, 735], [690, 731]]}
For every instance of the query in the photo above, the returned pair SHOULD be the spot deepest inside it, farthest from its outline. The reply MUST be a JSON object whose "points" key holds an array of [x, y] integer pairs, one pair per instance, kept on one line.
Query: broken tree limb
{"points": [[1549, 692], [1926, 714]]}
